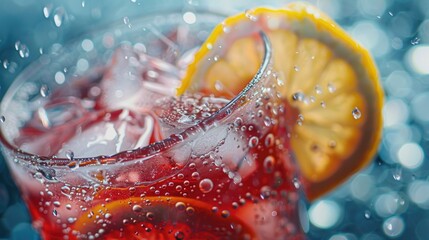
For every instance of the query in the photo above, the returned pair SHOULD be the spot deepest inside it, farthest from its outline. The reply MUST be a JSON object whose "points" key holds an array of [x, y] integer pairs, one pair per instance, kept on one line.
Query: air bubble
{"points": [[238, 122], [296, 183], [179, 235], [137, 208], [269, 164], [180, 206], [269, 140], [356, 113], [253, 142], [225, 213], [206, 185], [150, 216], [195, 175], [265, 192]]}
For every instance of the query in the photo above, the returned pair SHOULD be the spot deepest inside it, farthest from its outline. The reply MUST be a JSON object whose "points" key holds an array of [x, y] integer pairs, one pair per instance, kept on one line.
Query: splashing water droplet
{"points": [[47, 10], [397, 174], [356, 113], [59, 16], [415, 41], [367, 214], [44, 91]]}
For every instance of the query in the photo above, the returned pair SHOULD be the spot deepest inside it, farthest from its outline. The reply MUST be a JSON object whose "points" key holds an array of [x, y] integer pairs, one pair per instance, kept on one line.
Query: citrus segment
{"points": [[159, 218], [323, 75]]}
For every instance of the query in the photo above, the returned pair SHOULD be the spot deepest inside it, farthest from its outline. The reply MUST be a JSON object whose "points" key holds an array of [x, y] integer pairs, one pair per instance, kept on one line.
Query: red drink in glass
{"points": [[104, 150]]}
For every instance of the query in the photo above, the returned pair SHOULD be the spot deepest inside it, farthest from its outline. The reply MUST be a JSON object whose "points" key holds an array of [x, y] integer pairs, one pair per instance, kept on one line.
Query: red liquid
{"points": [[235, 181]]}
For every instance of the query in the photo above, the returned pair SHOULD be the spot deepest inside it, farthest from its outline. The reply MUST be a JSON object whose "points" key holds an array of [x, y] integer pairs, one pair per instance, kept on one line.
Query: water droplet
{"points": [[269, 164], [71, 220], [318, 89], [59, 16], [296, 68], [250, 15], [206, 185], [54, 212], [2, 119], [69, 155], [267, 121], [65, 189], [68, 206], [390, 13], [397, 174], [22, 49], [296, 183], [209, 46], [356, 113], [83, 4], [323, 104], [108, 216], [298, 96], [415, 41], [225, 28], [47, 10], [253, 141], [367, 214], [126, 20], [331, 88], [44, 90]]}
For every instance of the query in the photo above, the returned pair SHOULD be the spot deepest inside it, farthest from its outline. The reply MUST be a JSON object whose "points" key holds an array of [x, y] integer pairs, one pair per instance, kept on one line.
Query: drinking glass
{"points": [[228, 176]]}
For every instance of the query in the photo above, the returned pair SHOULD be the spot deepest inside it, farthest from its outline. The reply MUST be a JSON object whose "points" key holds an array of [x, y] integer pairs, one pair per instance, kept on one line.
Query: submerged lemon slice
{"points": [[327, 77], [159, 218]]}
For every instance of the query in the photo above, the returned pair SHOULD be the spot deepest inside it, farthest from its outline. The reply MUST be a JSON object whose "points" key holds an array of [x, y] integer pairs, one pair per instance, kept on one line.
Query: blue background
{"points": [[388, 200]]}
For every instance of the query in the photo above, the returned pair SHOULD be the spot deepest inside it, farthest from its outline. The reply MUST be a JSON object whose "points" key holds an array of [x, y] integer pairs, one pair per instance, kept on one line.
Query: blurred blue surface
{"points": [[389, 200]]}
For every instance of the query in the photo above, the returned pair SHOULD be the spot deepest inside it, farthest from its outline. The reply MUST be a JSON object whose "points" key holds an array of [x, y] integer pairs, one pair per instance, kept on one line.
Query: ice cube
{"points": [[51, 125], [114, 132], [134, 80]]}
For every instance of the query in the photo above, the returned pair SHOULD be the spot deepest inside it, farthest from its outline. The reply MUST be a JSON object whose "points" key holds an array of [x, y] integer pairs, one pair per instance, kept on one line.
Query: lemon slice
{"points": [[327, 78]]}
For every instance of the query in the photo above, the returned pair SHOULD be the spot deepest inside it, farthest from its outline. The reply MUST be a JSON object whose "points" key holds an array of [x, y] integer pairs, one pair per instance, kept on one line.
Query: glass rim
{"points": [[148, 150]]}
